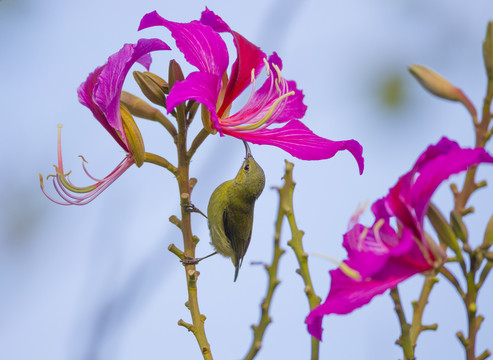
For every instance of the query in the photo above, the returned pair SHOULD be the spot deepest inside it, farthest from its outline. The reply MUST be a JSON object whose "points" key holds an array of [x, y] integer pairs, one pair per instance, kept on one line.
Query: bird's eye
{"points": [[246, 167]]}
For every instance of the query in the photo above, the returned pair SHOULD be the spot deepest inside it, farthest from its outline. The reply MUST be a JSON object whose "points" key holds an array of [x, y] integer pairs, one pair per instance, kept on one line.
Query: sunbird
{"points": [[230, 210]]}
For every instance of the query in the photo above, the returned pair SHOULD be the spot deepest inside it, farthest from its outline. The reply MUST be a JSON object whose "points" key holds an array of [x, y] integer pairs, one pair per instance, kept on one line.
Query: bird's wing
{"points": [[237, 237]]}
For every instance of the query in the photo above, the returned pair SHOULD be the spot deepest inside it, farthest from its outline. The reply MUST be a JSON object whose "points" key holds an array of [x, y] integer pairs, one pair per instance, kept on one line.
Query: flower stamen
{"points": [[75, 195], [348, 271], [267, 67], [266, 116]]}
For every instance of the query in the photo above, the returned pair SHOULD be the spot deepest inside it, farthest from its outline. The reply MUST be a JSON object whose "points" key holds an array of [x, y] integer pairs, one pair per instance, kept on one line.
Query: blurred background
{"points": [[97, 282]]}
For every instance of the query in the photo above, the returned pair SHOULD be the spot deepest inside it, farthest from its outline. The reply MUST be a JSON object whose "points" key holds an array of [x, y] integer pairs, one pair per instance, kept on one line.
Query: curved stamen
{"points": [[65, 188], [245, 115], [348, 271], [362, 237], [75, 195], [376, 232], [267, 66], [266, 116]]}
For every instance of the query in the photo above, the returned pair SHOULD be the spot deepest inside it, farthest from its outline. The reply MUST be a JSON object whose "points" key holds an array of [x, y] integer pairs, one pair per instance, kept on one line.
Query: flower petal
{"points": [[409, 198], [200, 86], [387, 269], [294, 108], [434, 172], [249, 56], [301, 142], [102, 89], [291, 107], [201, 45], [86, 93], [109, 85]]}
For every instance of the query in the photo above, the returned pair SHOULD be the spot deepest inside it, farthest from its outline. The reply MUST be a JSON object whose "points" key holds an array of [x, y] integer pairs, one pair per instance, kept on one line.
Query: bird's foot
{"points": [[188, 260], [191, 208]]}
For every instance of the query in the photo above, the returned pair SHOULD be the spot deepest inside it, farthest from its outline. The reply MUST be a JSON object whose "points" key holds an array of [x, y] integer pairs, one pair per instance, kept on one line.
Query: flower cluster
{"points": [[271, 116], [382, 256], [277, 101]]}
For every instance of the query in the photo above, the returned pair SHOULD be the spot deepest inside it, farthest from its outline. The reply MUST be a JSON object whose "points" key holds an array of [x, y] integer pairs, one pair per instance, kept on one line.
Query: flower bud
{"points": [[134, 138], [159, 81], [175, 74], [488, 234], [152, 86], [138, 107], [488, 50], [442, 228], [458, 226], [441, 87]]}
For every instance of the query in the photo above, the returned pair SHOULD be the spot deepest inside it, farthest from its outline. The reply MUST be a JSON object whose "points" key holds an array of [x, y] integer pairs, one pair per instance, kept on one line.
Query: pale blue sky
{"points": [[96, 282]]}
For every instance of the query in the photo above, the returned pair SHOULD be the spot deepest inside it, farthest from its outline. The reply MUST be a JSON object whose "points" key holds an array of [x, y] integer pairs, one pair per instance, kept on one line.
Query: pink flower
{"points": [[276, 102], [101, 94], [381, 256]]}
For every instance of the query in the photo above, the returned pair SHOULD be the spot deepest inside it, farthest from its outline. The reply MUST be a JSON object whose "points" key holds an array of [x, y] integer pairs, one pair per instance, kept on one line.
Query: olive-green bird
{"points": [[230, 210]]}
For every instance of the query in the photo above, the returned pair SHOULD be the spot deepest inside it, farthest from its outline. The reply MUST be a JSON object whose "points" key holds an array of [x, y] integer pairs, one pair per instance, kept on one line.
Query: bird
{"points": [[230, 210]]}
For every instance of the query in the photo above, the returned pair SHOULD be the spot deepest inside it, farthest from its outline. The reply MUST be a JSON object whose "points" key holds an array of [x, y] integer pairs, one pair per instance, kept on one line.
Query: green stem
{"points": [[470, 303], [419, 306], [297, 246], [163, 120], [265, 320], [450, 277], [404, 340], [410, 332], [461, 198], [199, 139], [184, 182], [192, 107], [160, 161], [481, 129]]}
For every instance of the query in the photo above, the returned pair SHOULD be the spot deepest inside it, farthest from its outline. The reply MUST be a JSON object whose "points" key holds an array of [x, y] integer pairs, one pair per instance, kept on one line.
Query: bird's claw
{"points": [[191, 208], [188, 260]]}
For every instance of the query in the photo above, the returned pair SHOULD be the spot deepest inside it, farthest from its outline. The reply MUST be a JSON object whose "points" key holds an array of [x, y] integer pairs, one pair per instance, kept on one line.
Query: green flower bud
{"points": [[441, 87], [458, 226], [488, 234], [152, 86], [488, 50], [159, 81], [134, 138], [175, 74], [138, 107], [445, 233]]}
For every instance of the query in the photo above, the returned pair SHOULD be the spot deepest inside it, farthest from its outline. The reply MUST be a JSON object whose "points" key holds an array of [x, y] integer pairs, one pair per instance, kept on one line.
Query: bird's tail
{"points": [[237, 264], [237, 270]]}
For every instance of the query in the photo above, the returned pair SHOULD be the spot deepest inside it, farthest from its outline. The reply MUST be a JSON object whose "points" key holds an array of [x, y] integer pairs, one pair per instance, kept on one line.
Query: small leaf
{"points": [[458, 226], [488, 234], [443, 229], [488, 50]]}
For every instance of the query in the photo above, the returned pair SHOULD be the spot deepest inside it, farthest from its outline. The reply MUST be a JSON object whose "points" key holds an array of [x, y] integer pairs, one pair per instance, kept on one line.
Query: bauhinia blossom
{"points": [[380, 256], [101, 94], [277, 102]]}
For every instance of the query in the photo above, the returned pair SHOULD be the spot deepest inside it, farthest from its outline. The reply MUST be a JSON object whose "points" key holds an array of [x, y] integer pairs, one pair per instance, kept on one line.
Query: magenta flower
{"points": [[277, 101], [101, 94], [380, 256]]}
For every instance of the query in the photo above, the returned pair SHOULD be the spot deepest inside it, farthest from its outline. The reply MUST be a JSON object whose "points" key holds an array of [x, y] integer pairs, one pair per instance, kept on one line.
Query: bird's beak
{"points": [[247, 149]]}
